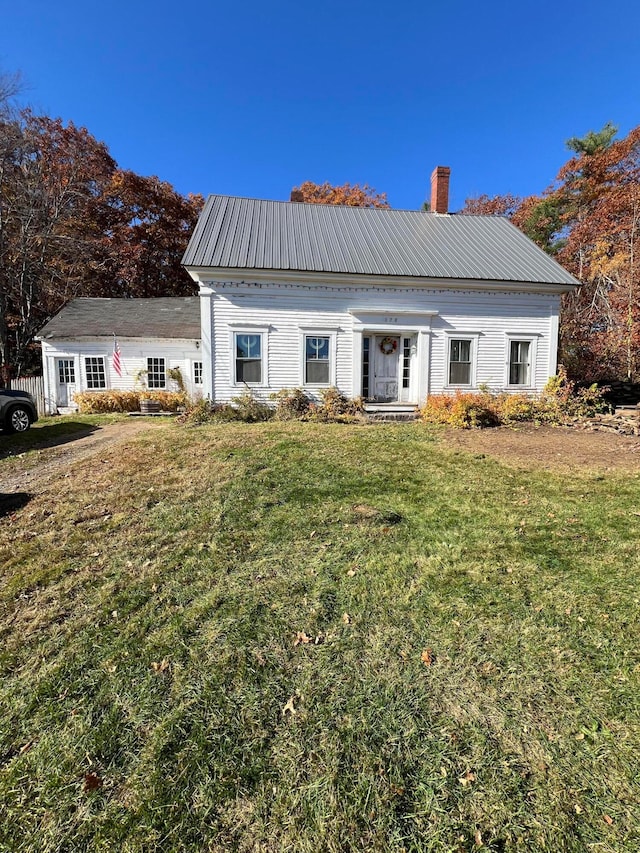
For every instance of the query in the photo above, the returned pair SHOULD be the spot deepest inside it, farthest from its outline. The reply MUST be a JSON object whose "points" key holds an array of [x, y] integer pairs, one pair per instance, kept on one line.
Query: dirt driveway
{"points": [[551, 448], [45, 463]]}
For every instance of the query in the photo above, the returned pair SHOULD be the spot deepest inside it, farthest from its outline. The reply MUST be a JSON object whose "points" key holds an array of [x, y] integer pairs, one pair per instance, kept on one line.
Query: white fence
{"points": [[34, 385]]}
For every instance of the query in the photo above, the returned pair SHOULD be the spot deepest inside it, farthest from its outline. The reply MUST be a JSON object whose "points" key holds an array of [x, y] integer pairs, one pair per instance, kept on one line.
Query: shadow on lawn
{"points": [[40, 437], [11, 502]]}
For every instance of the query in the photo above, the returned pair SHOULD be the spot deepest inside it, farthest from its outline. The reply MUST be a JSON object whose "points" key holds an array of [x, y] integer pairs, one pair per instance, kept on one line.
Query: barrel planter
{"points": [[148, 407]]}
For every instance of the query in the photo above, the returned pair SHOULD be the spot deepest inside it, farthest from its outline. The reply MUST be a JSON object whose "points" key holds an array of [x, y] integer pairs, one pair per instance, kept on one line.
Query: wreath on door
{"points": [[388, 345]]}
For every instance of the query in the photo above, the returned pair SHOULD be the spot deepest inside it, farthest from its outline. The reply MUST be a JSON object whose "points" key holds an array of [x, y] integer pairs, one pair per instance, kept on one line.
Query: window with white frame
{"points": [[156, 373], [248, 357], [96, 375], [317, 367], [197, 373], [460, 353], [520, 362]]}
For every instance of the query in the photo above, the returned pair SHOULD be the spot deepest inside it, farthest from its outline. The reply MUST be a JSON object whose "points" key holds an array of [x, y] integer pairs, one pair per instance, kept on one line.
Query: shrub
{"points": [[101, 402], [559, 401], [248, 409], [461, 410], [291, 404], [336, 408]]}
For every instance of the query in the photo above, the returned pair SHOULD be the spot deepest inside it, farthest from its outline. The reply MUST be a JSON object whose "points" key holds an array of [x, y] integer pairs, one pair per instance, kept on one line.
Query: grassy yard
{"points": [[319, 638]]}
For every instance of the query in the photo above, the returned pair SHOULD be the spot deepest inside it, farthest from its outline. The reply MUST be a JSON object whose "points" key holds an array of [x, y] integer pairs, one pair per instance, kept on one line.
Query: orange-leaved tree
{"points": [[352, 195]]}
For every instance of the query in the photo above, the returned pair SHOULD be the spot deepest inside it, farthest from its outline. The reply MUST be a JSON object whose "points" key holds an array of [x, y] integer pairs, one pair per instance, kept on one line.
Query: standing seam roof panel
{"points": [[240, 233]]}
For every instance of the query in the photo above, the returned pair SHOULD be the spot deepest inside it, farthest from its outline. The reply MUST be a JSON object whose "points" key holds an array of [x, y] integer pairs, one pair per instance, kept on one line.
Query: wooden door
{"points": [[66, 381], [386, 357]]}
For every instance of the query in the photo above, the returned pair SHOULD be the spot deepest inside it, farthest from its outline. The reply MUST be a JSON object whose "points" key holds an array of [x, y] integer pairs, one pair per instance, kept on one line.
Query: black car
{"points": [[17, 410]]}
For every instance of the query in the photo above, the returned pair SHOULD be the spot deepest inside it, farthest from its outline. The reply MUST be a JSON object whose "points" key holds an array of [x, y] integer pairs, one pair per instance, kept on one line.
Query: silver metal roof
{"points": [[164, 317], [246, 233]]}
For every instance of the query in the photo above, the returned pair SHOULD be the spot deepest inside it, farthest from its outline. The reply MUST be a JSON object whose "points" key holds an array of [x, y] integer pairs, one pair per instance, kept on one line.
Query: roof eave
{"points": [[205, 276]]}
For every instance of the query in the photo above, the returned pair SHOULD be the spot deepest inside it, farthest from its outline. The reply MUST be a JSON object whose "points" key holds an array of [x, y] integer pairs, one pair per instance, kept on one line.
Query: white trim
{"points": [[248, 329], [474, 338], [532, 340], [83, 361], [208, 277], [319, 332]]}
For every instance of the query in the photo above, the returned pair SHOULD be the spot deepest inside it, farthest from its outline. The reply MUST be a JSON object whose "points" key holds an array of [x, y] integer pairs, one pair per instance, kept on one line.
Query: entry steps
{"points": [[391, 411]]}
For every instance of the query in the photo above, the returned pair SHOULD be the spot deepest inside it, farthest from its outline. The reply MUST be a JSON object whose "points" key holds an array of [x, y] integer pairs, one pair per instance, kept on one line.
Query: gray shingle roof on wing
{"points": [[170, 317], [245, 233]]}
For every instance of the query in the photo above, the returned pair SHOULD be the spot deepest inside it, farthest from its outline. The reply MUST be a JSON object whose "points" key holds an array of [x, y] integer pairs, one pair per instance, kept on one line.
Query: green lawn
{"points": [[474, 684]]}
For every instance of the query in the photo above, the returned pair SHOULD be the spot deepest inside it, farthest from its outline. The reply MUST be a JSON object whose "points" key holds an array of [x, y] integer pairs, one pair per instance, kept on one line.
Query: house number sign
{"points": [[390, 319]]}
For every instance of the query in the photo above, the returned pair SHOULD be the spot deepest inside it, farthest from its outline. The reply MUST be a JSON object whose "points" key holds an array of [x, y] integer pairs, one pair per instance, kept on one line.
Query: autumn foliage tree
{"points": [[73, 224], [589, 219], [352, 195]]}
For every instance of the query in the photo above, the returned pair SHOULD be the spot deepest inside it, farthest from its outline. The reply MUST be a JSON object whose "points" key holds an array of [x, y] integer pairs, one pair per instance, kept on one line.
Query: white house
{"points": [[391, 305], [153, 337]]}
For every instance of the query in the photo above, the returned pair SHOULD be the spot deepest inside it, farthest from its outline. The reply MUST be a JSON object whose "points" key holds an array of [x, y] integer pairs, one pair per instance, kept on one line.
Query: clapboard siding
{"points": [[282, 311], [133, 355]]}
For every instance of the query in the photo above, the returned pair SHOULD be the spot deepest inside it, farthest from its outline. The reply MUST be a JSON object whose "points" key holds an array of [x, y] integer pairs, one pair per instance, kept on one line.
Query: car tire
{"points": [[18, 419]]}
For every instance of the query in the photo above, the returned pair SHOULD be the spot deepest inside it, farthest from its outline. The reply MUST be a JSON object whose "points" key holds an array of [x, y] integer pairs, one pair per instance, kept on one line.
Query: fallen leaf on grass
{"points": [[478, 838], [428, 657], [161, 667], [91, 782], [290, 707], [301, 637], [577, 809], [351, 573], [346, 618], [468, 778], [26, 747], [607, 819]]}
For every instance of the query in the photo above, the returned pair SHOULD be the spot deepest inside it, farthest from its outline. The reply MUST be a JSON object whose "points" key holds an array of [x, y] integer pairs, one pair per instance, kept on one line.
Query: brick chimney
{"points": [[440, 189]]}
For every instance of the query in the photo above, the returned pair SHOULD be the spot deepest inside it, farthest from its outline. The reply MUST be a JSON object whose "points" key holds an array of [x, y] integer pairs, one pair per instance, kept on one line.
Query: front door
{"points": [[386, 357], [66, 381]]}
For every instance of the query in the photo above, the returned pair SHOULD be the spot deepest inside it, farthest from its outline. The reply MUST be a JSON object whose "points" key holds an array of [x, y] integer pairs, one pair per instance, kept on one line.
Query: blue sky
{"points": [[251, 98]]}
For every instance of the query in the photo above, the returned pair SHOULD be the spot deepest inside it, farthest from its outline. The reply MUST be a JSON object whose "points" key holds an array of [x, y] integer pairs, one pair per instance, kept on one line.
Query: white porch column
{"points": [[424, 364], [207, 341], [356, 382]]}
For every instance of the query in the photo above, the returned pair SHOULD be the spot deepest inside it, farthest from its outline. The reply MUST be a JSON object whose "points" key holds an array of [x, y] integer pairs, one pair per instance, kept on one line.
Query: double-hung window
{"points": [[460, 353], [317, 366], [197, 373], [520, 362], [96, 375], [248, 358], [156, 373]]}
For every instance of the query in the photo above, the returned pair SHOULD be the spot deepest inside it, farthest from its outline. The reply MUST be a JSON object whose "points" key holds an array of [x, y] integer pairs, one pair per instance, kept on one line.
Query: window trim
{"points": [[165, 371], [473, 338], [532, 340], [262, 332], [101, 358], [312, 332]]}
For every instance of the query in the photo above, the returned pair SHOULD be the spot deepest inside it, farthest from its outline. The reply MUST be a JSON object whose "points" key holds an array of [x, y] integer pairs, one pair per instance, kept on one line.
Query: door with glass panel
{"points": [[66, 381]]}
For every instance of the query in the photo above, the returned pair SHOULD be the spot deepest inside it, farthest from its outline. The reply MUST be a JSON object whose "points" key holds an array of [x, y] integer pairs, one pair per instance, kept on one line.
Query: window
{"points": [[96, 378], [66, 371], [197, 373], [316, 371], [156, 375], [248, 356], [406, 361], [519, 363], [459, 362], [366, 342]]}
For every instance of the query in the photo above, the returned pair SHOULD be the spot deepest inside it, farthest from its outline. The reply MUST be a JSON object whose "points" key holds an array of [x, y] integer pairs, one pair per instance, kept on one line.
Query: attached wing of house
{"points": [[151, 337], [390, 305]]}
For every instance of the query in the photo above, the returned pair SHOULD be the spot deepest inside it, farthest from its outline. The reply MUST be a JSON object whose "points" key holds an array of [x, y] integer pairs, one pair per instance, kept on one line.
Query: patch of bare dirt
{"points": [[53, 462], [551, 448]]}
